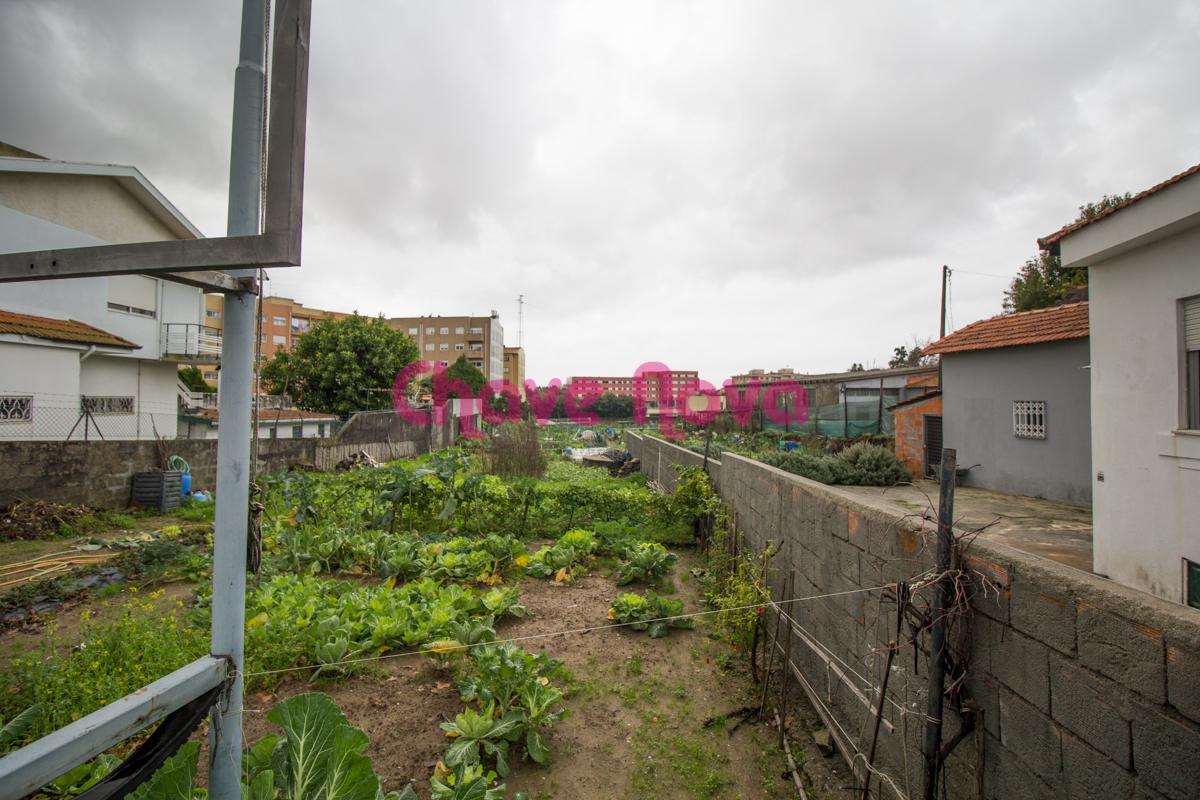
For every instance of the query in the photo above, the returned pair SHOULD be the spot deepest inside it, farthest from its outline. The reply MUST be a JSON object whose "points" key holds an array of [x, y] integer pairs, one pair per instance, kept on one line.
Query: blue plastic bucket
{"points": [[185, 485]]}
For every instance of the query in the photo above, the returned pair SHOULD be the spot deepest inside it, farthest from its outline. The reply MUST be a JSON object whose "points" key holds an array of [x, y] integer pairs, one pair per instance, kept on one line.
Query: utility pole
{"points": [[233, 448], [942, 320], [520, 319]]}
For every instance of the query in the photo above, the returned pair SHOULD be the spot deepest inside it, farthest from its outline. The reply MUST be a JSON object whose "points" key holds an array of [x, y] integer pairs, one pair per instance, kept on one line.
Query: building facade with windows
{"points": [[1143, 262], [443, 340], [1015, 403], [514, 369], [96, 357], [645, 388]]}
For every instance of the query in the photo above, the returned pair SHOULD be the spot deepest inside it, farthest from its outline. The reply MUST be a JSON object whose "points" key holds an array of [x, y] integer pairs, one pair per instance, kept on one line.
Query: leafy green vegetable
{"points": [[646, 561], [651, 613]]}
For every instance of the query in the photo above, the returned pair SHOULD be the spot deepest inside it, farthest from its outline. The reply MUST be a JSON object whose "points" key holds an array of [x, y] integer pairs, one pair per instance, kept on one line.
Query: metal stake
{"points": [[937, 642]]}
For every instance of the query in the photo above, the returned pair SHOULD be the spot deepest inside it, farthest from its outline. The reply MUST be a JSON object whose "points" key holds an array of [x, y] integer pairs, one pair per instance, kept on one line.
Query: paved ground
{"points": [[1052, 530]]}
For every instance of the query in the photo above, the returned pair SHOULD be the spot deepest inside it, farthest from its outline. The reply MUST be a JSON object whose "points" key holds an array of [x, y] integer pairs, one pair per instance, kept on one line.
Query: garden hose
{"points": [[177, 464]]}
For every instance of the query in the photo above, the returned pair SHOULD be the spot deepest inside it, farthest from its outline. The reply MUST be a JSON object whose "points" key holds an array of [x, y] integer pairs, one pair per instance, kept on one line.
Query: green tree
{"points": [[1042, 282], [614, 406], [341, 365], [193, 379], [857, 367], [468, 373]]}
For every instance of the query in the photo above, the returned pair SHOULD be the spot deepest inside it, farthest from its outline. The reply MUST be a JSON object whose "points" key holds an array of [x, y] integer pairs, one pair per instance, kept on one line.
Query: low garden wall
{"points": [[98, 473], [1087, 689]]}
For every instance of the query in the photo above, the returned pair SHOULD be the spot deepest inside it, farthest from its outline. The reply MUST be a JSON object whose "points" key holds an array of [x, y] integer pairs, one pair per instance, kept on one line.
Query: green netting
{"points": [[831, 420]]}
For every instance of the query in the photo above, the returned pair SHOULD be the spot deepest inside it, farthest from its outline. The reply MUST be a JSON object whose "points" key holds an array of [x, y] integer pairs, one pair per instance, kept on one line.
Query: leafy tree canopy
{"points": [[193, 379], [468, 373], [1042, 282], [902, 356], [857, 367], [614, 406], [341, 365]]}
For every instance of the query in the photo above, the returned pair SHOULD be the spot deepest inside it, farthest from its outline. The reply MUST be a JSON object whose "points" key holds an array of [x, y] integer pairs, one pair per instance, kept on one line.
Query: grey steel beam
{"points": [[39, 762], [149, 258], [288, 122], [277, 246]]}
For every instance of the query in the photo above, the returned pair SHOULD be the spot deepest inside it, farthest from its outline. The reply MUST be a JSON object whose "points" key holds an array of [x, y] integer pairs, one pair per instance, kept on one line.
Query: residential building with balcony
{"points": [[92, 357], [443, 339]]}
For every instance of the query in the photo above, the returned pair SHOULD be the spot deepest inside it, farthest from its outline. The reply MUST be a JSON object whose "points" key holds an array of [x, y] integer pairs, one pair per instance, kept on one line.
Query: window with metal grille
{"points": [[1191, 352], [16, 409], [297, 431], [1029, 419], [106, 405]]}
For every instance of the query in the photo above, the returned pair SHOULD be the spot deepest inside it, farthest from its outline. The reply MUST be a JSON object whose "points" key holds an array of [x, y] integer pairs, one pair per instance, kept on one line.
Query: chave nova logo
{"points": [[653, 388]]}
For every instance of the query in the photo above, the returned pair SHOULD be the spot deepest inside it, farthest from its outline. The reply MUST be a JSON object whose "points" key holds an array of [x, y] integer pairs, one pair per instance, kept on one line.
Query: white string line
{"points": [[457, 646], [874, 690]]}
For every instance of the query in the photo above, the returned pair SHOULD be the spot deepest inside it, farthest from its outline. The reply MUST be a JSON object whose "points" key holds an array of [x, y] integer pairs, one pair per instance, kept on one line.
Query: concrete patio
{"points": [[1056, 531]]}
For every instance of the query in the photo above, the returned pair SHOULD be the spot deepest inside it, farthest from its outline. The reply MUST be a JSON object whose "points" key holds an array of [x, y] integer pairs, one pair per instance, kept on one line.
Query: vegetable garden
{"points": [[429, 629]]}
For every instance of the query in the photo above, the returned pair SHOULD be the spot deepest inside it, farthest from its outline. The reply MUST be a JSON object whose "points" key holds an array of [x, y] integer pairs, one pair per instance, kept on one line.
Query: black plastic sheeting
{"points": [[169, 736]]}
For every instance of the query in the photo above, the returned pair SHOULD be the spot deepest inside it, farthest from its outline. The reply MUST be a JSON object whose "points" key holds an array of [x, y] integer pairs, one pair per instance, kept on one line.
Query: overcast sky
{"points": [[715, 185]]}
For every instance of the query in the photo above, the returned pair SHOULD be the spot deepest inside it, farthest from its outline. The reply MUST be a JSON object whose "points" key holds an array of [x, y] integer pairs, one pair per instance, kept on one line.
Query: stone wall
{"points": [[1088, 689], [98, 473]]}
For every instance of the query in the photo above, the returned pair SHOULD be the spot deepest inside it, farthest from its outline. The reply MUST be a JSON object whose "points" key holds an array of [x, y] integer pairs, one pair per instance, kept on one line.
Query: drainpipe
{"points": [[84, 356]]}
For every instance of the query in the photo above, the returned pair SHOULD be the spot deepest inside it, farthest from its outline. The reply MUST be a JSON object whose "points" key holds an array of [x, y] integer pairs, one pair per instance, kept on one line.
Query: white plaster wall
{"points": [[96, 205], [51, 376], [1147, 508]]}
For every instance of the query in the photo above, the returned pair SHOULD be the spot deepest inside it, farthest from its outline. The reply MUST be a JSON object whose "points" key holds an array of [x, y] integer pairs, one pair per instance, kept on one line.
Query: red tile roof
{"points": [[60, 330], [1046, 241], [1055, 324]]}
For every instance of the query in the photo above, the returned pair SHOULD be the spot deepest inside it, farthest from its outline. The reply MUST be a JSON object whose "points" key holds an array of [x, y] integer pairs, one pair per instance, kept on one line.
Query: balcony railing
{"points": [[189, 340]]}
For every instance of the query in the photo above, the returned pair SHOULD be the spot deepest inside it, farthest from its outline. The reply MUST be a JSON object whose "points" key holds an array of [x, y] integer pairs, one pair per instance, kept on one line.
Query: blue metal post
{"points": [[233, 447]]}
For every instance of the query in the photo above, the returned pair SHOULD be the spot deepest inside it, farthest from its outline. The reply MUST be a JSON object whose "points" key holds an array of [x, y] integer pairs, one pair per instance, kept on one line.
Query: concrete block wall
{"points": [[98, 473], [1088, 689]]}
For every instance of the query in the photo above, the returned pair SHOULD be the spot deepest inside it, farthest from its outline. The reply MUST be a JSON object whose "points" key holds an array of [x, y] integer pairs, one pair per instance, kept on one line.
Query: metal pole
{"points": [[233, 445], [937, 641]]}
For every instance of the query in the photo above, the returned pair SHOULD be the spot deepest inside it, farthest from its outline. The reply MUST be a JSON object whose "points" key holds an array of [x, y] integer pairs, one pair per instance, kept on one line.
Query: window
{"points": [[210, 375], [429, 331], [279, 339], [212, 313], [133, 294], [320, 429], [273, 432], [106, 405], [413, 331], [443, 331], [1191, 352], [459, 330], [477, 330], [476, 346], [16, 409], [444, 363], [1029, 419], [429, 345], [1191, 583], [279, 321], [297, 431], [443, 346], [459, 346], [300, 325]]}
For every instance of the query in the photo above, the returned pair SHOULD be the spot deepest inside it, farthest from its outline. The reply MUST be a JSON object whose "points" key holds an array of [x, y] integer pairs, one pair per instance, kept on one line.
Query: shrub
{"points": [[872, 465], [515, 452]]}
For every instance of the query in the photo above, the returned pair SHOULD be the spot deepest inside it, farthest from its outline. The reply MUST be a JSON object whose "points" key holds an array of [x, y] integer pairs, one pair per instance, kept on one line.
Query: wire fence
{"points": [[47, 416]]}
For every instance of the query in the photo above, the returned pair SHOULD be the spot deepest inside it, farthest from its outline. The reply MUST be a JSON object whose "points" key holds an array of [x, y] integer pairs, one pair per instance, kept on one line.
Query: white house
{"points": [[1143, 260], [118, 379], [273, 423]]}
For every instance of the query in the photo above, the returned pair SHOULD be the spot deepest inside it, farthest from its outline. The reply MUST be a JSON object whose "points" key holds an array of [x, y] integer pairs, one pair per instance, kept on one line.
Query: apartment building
{"points": [[284, 320], [645, 387], [514, 368], [443, 339]]}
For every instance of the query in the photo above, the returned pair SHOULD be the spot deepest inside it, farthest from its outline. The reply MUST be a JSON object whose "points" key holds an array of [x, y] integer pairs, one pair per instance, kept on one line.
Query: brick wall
{"points": [[910, 433], [98, 473], [1088, 689]]}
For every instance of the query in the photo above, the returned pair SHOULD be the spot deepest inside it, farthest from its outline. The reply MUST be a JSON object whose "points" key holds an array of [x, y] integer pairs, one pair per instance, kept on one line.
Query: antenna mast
{"points": [[520, 319]]}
